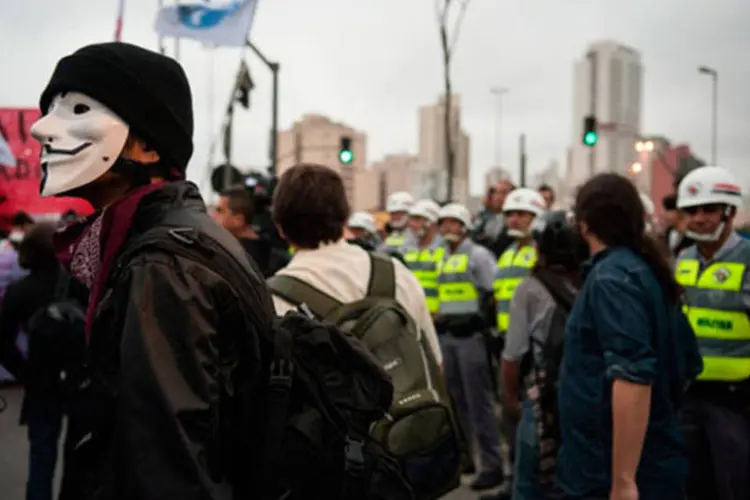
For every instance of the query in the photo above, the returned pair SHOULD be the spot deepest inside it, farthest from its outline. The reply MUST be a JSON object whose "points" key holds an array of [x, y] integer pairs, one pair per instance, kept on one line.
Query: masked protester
{"points": [[167, 337]]}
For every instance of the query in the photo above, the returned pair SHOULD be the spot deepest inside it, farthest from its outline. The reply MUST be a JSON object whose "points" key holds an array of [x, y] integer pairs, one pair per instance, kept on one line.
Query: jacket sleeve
{"points": [[171, 380], [10, 325]]}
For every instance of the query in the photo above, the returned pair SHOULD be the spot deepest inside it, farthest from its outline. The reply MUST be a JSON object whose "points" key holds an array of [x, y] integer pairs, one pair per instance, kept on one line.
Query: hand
{"points": [[624, 490]]}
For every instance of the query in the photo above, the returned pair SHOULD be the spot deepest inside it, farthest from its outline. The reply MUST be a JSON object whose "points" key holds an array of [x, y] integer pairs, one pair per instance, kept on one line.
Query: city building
{"points": [[432, 154], [318, 139], [607, 83], [398, 172], [659, 165]]}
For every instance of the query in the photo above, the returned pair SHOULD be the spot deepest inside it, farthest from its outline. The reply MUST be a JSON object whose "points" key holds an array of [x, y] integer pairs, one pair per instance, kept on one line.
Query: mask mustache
{"points": [[69, 152]]}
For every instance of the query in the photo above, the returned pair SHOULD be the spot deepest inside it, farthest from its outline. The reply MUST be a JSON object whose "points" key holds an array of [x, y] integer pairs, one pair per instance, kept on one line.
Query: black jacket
{"points": [[173, 360]]}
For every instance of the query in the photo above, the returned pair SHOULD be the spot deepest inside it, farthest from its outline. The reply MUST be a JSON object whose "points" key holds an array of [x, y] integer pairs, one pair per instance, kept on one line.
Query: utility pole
{"points": [[448, 44], [498, 92], [592, 107], [274, 142], [705, 70], [522, 160]]}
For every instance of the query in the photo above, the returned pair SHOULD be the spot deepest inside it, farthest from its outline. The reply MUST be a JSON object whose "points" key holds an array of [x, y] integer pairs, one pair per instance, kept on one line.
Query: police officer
{"points": [[398, 206], [423, 258], [465, 315], [714, 273], [361, 230], [520, 209]]}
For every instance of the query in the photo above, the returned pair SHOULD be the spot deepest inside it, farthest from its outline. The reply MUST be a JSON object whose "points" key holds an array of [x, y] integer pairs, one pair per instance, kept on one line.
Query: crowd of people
{"points": [[195, 358]]}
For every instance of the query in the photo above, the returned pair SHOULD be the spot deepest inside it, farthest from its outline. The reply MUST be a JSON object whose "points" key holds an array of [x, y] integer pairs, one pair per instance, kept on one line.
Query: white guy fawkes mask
{"points": [[81, 140]]}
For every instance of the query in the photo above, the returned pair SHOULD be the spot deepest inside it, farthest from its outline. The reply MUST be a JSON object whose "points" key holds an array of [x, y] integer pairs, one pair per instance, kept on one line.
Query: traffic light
{"points": [[346, 156], [590, 134]]}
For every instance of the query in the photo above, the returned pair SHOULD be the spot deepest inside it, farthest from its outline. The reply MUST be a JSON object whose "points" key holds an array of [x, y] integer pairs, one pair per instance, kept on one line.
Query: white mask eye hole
{"points": [[80, 109]]}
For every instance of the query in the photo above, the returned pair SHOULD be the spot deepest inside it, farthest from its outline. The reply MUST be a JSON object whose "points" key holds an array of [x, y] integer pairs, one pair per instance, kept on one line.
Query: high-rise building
{"points": [[659, 165], [607, 83], [317, 139], [398, 172], [432, 154]]}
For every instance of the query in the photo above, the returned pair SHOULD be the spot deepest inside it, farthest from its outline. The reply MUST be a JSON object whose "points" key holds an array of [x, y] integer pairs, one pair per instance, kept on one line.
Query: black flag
{"points": [[243, 86]]}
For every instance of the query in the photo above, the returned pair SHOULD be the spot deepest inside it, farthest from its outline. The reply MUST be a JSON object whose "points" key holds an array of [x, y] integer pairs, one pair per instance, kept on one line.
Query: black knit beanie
{"points": [[149, 91]]}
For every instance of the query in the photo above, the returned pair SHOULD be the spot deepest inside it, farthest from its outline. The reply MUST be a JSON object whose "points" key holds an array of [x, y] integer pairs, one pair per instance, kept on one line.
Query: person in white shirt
{"points": [[310, 211]]}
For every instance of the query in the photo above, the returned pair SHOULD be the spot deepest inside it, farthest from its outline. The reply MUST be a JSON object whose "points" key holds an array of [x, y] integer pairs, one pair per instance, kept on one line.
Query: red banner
{"points": [[19, 185]]}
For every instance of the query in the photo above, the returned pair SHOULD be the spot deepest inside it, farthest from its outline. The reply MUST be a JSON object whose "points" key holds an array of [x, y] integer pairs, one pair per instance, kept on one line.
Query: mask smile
{"points": [[49, 150]]}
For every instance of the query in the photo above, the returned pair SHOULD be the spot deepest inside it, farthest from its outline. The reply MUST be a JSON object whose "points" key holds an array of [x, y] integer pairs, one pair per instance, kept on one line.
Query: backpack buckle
{"points": [[282, 371], [354, 455]]}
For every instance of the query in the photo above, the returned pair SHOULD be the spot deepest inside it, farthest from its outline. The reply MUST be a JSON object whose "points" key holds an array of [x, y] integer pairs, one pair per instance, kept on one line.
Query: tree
{"points": [[448, 38]]}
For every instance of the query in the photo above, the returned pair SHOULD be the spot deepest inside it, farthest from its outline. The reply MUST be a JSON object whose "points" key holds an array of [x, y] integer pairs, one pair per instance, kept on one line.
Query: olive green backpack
{"points": [[420, 430]]}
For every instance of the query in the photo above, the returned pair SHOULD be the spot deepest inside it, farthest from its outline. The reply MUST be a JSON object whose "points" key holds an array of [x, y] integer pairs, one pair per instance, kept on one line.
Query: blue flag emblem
{"points": [[200, 17]]}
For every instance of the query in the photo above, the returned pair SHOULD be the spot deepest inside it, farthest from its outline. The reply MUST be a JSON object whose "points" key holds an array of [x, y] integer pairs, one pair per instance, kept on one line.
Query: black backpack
{"points": [[544, 374], [323, 394], [420, 430], [57, 338]]}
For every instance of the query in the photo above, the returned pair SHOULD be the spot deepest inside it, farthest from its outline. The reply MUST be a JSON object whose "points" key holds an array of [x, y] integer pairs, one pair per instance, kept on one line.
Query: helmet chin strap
{"points": [[517, 233], [707, 237], [398, 225], [716, 235]]}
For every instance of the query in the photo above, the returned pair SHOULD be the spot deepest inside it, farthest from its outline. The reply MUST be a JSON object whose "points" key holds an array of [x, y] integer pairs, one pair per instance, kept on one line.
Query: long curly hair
{"points": [[612, 209]]}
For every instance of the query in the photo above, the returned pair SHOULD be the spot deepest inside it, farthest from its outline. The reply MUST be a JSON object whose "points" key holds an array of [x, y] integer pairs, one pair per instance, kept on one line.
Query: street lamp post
{"points": [[705, 70], [498, 92]]}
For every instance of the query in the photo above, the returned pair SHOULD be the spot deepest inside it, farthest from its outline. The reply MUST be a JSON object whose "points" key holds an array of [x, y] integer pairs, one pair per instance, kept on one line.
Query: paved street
{"points": [[14, 450]]}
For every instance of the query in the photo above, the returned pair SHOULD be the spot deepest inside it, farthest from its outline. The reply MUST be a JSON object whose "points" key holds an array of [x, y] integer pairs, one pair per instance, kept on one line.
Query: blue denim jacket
{"points": [[621, 327]]}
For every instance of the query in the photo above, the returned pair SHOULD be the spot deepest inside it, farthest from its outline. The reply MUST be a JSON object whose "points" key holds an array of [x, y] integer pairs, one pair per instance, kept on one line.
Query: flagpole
{"points": [[177, 42], [161, 38]]}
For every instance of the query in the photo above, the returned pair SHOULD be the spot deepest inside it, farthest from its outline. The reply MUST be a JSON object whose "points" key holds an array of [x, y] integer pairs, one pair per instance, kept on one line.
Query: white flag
{"points": [[228, 25], [6, 155]]}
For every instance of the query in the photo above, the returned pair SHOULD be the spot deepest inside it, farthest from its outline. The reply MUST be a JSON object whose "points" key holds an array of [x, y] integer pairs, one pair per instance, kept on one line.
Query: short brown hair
{"points": [[240, 202], [310, 206]]}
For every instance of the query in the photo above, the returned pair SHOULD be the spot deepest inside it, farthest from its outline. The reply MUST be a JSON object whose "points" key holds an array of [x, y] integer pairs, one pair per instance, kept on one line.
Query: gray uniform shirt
{"points": [[531, 312]]}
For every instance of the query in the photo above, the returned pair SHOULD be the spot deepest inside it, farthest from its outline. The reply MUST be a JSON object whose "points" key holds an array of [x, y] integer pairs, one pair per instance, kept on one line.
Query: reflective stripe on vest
{"points": [[716, 312], [512, 267], [457, 294], [395, 240], [425, 264]]}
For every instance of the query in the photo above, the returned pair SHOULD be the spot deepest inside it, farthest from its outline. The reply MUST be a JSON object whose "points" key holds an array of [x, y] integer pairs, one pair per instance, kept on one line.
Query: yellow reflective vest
{"points": [[425, 264], [717, 312], [513, 266]]}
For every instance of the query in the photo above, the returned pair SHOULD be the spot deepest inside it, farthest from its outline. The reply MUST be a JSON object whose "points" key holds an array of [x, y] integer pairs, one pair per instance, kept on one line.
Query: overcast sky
{"points": [[372, 63]]}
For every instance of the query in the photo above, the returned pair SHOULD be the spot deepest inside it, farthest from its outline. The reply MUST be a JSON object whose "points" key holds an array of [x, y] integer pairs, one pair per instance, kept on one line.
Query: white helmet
{"points": [[426, 208], [525, 200], [456, 211], [708, 186], [399, 202], [362, 220]]}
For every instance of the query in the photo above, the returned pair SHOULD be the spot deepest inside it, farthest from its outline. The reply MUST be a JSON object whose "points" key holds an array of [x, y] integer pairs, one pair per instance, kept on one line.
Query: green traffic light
{"points": [[346, 156], [590, 138]]}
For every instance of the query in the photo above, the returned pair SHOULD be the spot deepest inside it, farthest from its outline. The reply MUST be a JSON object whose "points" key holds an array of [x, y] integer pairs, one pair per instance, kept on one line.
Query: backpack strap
{"points": [[382, 277], [297, 292], [563, 295]]}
